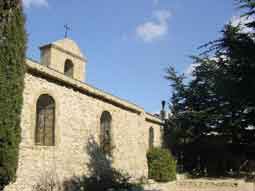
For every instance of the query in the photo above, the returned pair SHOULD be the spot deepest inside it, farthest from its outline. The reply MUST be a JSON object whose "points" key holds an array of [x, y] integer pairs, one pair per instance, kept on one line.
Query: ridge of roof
{"points": [[37, 68]]}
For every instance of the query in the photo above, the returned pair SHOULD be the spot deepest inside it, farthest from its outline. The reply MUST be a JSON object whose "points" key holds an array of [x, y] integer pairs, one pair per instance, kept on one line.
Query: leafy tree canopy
{"points": [[219, 99]]}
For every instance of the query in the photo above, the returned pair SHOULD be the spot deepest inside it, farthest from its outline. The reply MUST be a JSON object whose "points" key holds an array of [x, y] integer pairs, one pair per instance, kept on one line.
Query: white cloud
{"points": [[37, 3], [190, 69], [153, 30], [241, 21]]}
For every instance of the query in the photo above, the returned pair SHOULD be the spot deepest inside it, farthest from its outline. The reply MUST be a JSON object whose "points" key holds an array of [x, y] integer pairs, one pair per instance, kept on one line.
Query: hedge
{"points": [[161, 164]]}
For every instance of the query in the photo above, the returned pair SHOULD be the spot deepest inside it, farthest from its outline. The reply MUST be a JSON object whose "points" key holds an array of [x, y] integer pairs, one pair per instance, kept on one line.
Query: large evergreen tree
{"points": [[12, 69], [218, 104]]}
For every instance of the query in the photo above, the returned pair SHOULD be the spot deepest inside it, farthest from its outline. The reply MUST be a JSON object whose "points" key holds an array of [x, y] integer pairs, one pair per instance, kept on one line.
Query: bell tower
{"points": [[65, 57]]}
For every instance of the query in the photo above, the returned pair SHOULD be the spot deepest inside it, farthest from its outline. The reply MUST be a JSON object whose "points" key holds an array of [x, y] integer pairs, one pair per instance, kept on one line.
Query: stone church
{"points": [[61, 114]]}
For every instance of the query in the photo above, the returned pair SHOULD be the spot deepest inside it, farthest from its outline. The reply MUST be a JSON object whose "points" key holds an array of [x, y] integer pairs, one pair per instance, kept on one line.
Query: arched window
{"points": [[68, 70], [45, 121], [105, 132], [151, 137]]}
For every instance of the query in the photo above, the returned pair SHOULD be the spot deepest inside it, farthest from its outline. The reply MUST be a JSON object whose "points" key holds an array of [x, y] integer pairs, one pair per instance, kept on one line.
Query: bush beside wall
{"points": [[161, 164]]}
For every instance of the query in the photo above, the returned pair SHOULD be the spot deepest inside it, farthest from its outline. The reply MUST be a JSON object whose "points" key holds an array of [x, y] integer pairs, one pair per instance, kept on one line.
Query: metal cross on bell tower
{"points": [[67, 28]]}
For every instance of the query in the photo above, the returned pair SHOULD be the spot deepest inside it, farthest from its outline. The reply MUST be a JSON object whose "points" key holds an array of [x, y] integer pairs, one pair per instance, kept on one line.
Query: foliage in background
{"points": [[161, 165], [12, 57], [214, 111], [116, 181]]}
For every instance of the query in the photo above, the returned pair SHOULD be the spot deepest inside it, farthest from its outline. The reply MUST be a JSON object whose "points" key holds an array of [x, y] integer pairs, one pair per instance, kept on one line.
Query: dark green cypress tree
{"points": [[12, 70]]}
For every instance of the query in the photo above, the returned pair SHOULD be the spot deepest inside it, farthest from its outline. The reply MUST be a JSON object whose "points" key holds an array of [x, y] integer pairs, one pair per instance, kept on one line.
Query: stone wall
{"points": [[55, 54], [78, 123]]}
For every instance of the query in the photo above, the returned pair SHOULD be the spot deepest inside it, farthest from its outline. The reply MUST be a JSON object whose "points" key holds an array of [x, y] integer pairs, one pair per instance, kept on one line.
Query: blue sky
{"points": [[129, 43]]}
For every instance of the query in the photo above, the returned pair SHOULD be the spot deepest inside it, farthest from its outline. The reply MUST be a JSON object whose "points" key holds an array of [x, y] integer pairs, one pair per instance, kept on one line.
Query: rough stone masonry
{"points": [[78, 108]]}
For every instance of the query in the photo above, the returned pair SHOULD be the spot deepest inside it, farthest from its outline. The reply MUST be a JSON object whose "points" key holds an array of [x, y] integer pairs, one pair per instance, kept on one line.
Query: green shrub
{"points": [[162, 166], [12, 70], [107, 181]]}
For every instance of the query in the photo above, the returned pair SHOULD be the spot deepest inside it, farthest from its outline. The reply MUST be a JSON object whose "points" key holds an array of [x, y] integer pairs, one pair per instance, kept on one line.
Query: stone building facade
{"points": [[76, 111]]}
